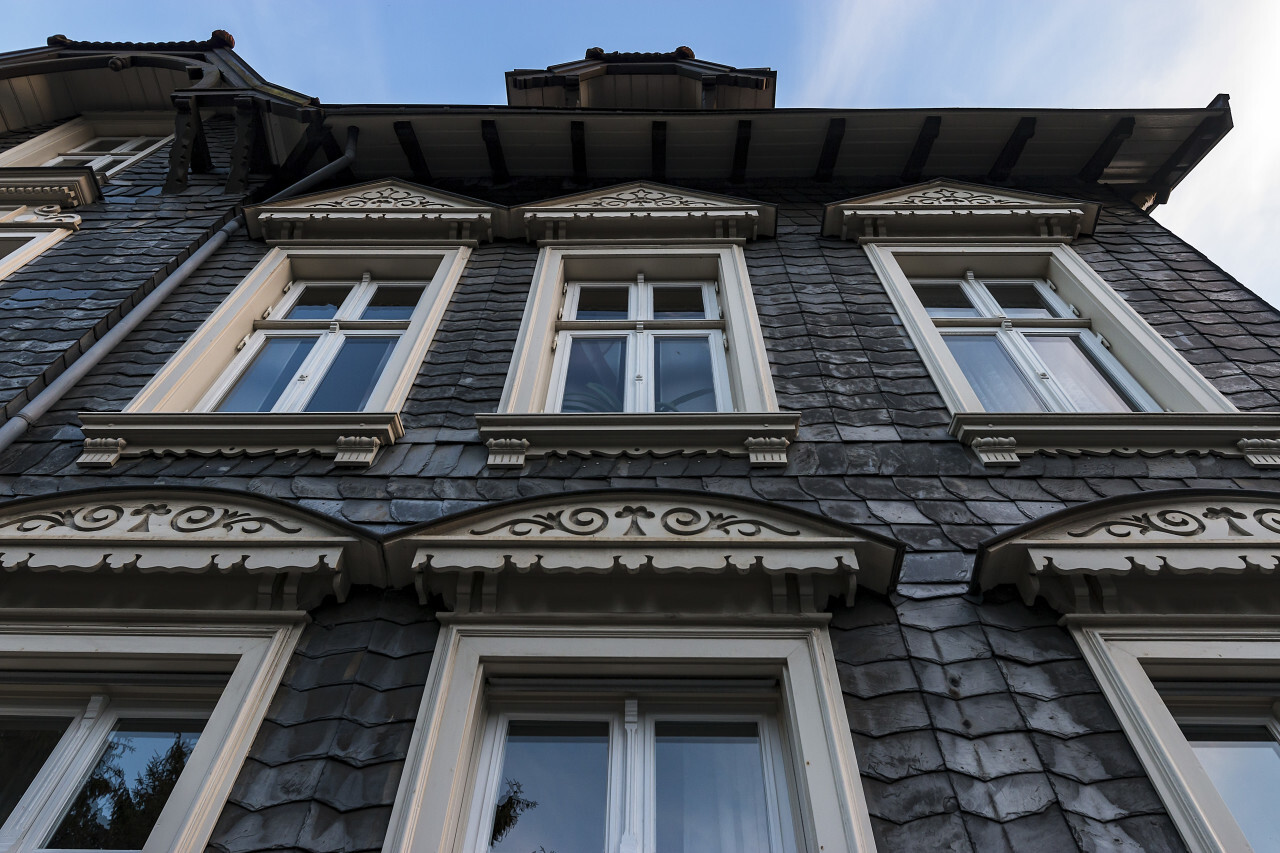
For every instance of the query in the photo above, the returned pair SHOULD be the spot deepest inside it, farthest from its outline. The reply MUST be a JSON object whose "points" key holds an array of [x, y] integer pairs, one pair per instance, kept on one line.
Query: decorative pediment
{"points": [[41, 186], [1158, 552], [643, 209], [213, 550], [945, 208], [380, 210], [641, 551]]}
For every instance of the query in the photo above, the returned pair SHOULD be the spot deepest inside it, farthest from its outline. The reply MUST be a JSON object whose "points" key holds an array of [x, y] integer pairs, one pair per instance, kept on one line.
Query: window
{"points": [[107, 155], [630, 730], [107, 143], [707, 772], [315, 351], [128, 737], [22, 238], [640, 346], [639, 349], [1022, 349], [1198, 702], [327, 351]]}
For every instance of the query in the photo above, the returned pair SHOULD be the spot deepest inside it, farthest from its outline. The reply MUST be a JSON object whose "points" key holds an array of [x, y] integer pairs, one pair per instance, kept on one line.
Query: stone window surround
{"points": [[1197, 417], [258, 647], [437, 787], [61, 139], [161, 418], [522, 428], [1124, 652]]}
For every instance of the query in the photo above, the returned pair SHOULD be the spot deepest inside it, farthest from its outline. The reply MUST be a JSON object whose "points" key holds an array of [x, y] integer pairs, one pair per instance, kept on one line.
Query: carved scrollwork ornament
{"points": [[583, 521], [639, 197], [684, 521], [1174, 522], [188, 519], [382, 197]]}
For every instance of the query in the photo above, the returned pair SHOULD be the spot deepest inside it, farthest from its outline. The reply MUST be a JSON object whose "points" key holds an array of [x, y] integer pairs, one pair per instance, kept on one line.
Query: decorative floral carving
{"points": [[393, 197], [635, 513], [684, 521], [950, 196], [640, 197], [1268, 518], [1174, 522], [190, 519], [583, 521], [1229, 515]]}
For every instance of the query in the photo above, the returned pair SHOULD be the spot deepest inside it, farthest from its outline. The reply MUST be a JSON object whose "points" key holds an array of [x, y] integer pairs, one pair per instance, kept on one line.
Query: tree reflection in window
{"points": [[120, 802]]}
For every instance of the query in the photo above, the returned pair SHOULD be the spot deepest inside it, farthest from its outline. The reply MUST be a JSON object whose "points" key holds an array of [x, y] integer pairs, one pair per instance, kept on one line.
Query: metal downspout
{"points": [[78, 369]]}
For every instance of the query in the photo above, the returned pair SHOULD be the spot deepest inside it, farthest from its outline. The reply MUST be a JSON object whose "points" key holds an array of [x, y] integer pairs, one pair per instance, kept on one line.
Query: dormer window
{"points": [[107, 155]]}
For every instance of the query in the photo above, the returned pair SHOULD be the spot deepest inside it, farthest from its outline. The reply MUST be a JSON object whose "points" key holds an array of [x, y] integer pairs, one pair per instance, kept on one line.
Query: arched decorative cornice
{"points": [[1186, 550], [641, 210], [640, 551], [945, 208], [177, 548]]}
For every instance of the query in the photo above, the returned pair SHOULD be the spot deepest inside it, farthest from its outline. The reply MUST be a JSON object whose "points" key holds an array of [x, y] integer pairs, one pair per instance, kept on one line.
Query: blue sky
{"points": [[837, 53]]}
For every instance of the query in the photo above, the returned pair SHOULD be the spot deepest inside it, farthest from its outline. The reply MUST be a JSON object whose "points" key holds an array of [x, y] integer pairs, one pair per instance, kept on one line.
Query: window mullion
{"points": [[640, 371], [309, 372], [93, 728], [1113, 370], [1042, 381]]}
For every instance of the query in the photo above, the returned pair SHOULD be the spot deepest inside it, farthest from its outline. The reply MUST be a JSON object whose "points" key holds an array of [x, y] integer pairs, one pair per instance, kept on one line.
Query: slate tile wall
{"points": [[323, 771]]}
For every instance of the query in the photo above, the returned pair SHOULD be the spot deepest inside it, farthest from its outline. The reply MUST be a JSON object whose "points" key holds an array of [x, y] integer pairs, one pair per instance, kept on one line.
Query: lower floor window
{"points": [[648, 774], [93, 773]]}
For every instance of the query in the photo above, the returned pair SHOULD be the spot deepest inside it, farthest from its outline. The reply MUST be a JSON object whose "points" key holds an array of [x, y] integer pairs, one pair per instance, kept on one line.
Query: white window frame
{"points": [[108, 163], [631, 816], [1012, 333], [531, 385], [1122, 652], [1151, 360], [639, 331], [260, 647], [210, 353], [437, 797], [330, 336], [77, 132], [34, 242]]}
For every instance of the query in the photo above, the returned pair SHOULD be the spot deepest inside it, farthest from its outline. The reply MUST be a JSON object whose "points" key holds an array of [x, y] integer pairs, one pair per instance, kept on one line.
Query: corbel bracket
{"points": [[356, 451], [767, 452], [1261, 452], [101, 452], [507, 452], [996, 450]]}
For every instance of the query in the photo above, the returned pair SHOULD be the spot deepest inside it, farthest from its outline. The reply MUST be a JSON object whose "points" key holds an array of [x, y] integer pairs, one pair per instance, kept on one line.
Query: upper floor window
{"points": [[640, 346], [1021, 348], [326, 346], [107, 155]]}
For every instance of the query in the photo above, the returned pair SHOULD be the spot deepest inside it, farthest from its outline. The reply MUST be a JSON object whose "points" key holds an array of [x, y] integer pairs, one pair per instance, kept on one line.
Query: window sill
{"points": [[1004, 438], [352, 438], [761, 436]]}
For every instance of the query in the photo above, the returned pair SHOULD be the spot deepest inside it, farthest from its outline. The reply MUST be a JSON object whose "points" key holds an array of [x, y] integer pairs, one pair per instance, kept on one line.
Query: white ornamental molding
{"points": [[216, 551], [944, 208], [1163, 553], [380, 210], [42, 185], [641, 551], [642, 210], [46, 215]]}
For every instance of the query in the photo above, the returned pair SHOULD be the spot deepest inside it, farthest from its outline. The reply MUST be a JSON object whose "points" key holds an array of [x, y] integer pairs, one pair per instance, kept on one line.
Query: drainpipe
{"points": [[78, 369]]}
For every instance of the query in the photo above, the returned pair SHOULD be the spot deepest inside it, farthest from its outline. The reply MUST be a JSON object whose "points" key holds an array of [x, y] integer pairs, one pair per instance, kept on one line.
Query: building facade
{"points": [[635, 467]]}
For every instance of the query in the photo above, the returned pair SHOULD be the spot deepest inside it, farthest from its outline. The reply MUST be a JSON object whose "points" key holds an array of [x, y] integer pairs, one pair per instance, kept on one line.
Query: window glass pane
{"points": [[594, 378], [25, 745], [392, 303], [319, 302], [999, 384], [710, 788], [683, 378], [121, 800], [605, 302], [554, 790], [1076, 373], [268, 375], [1020, 300], [678, 302], [350, 379], [945, 300], [71, 160], [1244, 765]]}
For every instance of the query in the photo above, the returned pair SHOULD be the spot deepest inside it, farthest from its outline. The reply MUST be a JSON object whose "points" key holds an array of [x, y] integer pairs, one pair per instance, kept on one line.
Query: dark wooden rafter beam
{"points": [[1012, 151], [189, 151], [493, 147], [658, 150], [412, 151], [578, 144], [1107, 150], [830, 150], [1195, 146], [919, 156], [741, 148], [247, 128]]}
